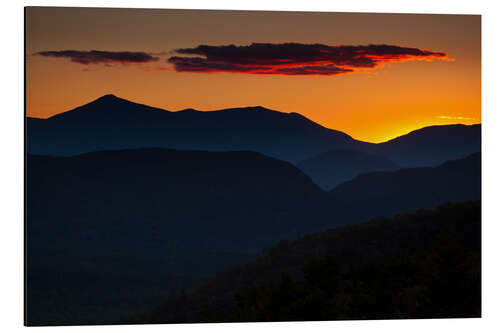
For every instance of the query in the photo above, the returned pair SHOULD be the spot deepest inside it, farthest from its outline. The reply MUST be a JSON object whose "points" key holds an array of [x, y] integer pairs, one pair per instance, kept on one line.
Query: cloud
{"points": [[101, 57], [456, 118], [294, 58]]}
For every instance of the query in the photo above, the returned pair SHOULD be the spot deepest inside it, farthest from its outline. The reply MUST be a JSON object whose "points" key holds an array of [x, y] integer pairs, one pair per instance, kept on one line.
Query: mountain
{"points": [[425, 264], [111, 123], [431, 146], [127, 227], [215, 194], [333, 167], [115, 232], [232, 200], [387, 193]]}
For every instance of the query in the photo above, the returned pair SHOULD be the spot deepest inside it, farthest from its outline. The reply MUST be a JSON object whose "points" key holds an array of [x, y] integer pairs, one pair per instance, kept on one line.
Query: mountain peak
{"points": [[262, 108], [111, 101], [108, 97], [107, 106], [252, 108]]}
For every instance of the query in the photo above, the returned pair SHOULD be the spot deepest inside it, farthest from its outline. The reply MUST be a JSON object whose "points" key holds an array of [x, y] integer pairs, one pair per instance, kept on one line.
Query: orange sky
{"points": [[373, 105]]}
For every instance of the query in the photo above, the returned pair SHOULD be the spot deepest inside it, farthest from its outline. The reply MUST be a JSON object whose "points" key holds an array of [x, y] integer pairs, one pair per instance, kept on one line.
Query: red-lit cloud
{"points": [[294, 58], [101, 57]]}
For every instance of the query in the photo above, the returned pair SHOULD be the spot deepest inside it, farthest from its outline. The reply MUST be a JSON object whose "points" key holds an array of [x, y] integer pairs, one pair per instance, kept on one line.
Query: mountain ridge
{"points": [[335, 166], [430, 127], [111, 122], [393, 192], [432, 145], [107, 98]]}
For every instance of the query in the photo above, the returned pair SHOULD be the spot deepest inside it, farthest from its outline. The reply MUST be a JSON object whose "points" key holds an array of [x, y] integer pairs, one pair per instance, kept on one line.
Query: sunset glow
{"points": [[372, 76]]}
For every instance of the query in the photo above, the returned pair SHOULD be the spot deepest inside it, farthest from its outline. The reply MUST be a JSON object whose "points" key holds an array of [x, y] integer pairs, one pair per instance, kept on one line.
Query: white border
{"points": [[11, 182]]}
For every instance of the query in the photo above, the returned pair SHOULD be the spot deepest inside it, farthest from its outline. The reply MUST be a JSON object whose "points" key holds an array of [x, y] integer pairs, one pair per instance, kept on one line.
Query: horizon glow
{"points": [[373, 99]]}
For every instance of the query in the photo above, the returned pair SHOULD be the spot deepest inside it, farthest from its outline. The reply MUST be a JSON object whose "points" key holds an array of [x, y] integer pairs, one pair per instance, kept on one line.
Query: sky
{"points": [[372, 76]]}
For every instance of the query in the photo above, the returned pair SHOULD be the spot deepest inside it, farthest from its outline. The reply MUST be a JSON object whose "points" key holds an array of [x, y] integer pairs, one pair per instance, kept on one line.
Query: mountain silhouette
{"points": [[333, 167], [125, 228], [214, 193], [112, 209], [116, 222], [388, 193], [254, 198], [153, 221], [431, 146], [111, 123]]}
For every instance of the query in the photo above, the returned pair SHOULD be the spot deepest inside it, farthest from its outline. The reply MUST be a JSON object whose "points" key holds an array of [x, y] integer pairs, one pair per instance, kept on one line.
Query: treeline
{"points": [[442, 283], [421, 265]]}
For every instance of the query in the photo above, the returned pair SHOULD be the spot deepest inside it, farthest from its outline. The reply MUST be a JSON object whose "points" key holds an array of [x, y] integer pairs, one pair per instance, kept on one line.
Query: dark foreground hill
{"points": [[115, 232], [421, 265], [333, 167], [218, 199]]}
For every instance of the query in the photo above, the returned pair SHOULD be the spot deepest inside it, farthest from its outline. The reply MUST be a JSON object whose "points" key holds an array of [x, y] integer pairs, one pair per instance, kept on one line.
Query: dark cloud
{"points": [[313, 70], [98, 57], [197, 64], [294, 58]]}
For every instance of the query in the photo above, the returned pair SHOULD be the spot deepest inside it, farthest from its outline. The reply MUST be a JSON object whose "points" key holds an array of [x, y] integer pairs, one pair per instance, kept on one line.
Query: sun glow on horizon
{"points": [[372, 104], [380, 136]]}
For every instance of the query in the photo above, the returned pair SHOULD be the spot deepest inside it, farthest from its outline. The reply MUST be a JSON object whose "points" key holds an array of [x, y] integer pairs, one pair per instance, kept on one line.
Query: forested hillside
{"points": [[425, 264]]}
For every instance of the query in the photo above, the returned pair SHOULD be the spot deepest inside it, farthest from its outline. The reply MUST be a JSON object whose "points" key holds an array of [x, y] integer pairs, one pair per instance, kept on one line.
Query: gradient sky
{"points": [[372, 104]]}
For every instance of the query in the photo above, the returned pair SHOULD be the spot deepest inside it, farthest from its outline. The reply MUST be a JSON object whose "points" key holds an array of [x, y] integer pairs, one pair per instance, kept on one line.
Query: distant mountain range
{"points": [[111, 123], [114, 123], [431, 146], [388, 193]]}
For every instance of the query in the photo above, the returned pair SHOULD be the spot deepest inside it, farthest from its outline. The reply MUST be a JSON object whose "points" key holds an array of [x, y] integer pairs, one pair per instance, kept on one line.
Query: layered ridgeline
{"points": [[115, 232], [333, 167], [114, 123], [388, 193], [433, 145], [111, 123], [421, 265], [429, 146]]}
